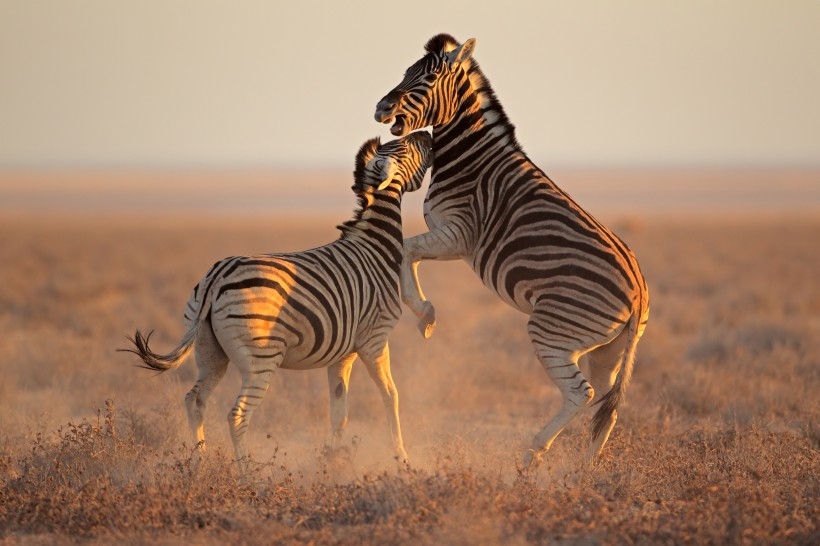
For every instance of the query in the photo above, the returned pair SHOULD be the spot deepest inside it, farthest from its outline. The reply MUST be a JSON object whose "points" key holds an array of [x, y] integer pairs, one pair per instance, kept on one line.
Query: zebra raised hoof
{"points": [[318, 308], [527, 240]]}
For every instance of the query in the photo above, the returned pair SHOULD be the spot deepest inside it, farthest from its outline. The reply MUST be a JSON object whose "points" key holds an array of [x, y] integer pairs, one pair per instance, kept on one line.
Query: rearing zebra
{"points": [[304, 310], [527, 240]]}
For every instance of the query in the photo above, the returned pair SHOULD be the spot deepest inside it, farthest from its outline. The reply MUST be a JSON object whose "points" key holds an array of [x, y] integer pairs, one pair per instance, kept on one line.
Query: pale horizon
{"points": [[263, 86], [643, 192]]}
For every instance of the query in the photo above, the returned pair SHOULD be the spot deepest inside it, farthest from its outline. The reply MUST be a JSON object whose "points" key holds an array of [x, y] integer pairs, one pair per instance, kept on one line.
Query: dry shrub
{"points": [[93, 481], [736, 485], [717, 443]]}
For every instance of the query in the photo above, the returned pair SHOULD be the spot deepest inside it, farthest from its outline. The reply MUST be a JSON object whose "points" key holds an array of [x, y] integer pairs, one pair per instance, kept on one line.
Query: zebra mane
{"points": [[441, 42], [446, 43], [360, 187], [482, 86]]}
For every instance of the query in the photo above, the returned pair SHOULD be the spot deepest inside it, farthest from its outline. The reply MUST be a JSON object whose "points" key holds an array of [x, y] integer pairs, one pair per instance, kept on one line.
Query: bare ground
{"points": [[717, 443]]}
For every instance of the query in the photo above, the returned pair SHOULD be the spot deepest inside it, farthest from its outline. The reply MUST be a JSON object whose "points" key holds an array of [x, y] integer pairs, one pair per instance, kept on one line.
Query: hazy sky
{"points": [[250, 84]]}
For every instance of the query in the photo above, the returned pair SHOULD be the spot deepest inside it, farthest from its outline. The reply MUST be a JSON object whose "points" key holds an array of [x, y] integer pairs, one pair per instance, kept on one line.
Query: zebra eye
{"points": [[379, 163]]}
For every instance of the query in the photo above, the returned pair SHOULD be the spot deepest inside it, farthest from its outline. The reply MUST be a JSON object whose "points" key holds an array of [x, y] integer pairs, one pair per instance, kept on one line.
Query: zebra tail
{"points": [[162, 363], [610, 401]]}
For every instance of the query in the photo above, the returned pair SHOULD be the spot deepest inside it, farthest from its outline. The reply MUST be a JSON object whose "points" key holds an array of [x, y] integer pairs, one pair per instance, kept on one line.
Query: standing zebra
{"points": [[527, 240], [305, 310]]}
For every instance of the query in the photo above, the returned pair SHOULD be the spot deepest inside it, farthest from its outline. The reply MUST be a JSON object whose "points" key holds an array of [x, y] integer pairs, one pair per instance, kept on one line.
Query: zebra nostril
{"points": [[385, 109], [388, 105]]}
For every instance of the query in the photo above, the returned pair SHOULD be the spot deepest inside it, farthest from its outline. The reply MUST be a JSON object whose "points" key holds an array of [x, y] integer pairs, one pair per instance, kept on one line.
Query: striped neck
{"points": [[479, 115], [378, 225]]}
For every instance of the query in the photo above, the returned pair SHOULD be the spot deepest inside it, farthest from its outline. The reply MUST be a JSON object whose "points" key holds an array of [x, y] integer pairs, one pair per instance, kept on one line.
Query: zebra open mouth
{"points": [[400, 126]]}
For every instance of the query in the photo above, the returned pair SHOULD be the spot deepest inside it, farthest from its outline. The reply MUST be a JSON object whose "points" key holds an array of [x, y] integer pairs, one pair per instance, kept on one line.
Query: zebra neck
{"points": [[479, 124], [378, 228]]}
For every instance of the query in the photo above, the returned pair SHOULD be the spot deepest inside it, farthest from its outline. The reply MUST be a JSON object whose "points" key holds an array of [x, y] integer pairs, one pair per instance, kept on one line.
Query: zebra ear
{"points": [[460, 54], [389, 174]]}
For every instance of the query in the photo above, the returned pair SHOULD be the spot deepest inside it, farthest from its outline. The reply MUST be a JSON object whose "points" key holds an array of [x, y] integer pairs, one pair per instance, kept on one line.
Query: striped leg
{"points": [[338, 378], [255, 380], [212, 363], [443, 243], [561, 364], [378, 366]]}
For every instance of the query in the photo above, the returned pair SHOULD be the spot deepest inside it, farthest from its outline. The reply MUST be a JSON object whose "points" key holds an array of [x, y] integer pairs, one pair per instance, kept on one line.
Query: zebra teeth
{"points": [[399, 128]]}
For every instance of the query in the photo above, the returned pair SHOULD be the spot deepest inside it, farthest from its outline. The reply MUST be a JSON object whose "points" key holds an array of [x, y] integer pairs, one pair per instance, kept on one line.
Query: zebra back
{"points": [[320, 303]]}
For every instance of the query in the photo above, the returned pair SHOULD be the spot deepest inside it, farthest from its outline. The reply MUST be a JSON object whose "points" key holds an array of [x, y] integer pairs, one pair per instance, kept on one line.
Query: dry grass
{"points": [[718, 441]]}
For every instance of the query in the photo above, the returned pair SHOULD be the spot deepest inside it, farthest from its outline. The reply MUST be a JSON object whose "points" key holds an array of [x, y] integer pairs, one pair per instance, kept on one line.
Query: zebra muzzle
{"points": [[385, 111]]}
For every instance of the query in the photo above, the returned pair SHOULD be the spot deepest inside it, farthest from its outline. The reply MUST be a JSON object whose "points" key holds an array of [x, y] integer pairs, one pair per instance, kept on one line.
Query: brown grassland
{"points": [[717, 442]]}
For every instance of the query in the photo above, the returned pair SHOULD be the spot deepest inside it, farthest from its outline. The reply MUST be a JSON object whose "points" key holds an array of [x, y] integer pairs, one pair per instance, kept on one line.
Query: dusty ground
{"points": [[717, 443]]}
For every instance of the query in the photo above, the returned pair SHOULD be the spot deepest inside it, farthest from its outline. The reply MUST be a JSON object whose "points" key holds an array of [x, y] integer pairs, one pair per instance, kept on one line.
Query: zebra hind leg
{"points": [[255, 382], [562, 367], [212, 363]]}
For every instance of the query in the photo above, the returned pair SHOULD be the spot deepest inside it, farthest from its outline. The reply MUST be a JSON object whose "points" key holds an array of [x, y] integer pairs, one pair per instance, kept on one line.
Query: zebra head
{"points": [[402, 161], [428, 94]]}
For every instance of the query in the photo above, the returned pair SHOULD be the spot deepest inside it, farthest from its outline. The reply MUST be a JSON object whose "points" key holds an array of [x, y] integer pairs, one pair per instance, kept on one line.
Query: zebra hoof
{"points": [[427, 329], [531, 459], [427, 322]]}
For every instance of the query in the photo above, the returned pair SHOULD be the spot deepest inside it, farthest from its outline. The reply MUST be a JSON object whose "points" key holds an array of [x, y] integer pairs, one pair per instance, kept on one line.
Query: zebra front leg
{"points": [[338, 378], [413, 297], [447, 242], [377, 363]]}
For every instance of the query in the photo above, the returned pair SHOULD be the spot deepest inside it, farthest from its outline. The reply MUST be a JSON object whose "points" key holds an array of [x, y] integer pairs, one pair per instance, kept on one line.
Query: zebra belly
{"points": [[520, 303], [562, 292], [266, 333], [518, 300], [295, 359]]}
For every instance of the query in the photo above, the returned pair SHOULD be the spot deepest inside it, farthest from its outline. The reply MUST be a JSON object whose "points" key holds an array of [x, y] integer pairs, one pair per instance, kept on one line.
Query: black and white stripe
{"points": [[528, 241], [303, 310]]}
